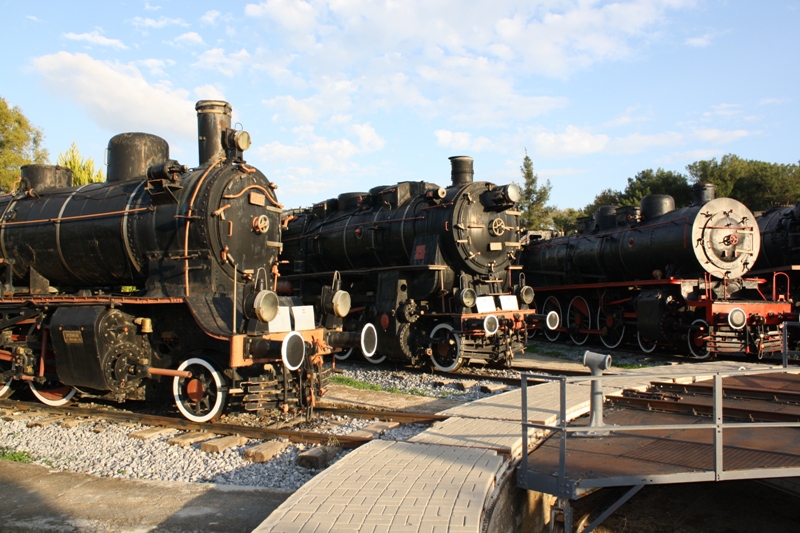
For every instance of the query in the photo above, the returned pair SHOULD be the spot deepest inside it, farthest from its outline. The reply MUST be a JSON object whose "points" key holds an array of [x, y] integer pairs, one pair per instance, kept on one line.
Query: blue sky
{"points": [[349, 94]]}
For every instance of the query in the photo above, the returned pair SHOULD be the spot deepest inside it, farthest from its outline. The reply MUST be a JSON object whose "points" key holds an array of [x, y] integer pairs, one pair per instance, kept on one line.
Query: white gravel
{"points": [[105, 450], [422, 383]]}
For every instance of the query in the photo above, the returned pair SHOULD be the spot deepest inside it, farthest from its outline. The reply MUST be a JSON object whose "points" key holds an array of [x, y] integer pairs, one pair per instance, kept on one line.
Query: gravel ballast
{"points": [[105, 449]]}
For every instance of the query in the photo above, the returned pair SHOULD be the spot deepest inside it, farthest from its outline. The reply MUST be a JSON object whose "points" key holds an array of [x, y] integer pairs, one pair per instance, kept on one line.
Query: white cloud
{"points": [[773, 101], [702, 41], [437, 59], [461, 140], [718, 136], [145, 23], [209, 92], [631, 115], [638, 142], [330, 156], [148, 7], [210, 17], [116, 96], [368, 138], [96, 38], [156, 66], [573, 141], [334, 96], [227, 64], [723, 110], [189, 38]]}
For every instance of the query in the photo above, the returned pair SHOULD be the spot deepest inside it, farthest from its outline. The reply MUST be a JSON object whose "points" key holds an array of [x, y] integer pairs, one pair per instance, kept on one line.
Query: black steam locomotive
{"points": [[430, 267], [672, 276], [160, 274]]}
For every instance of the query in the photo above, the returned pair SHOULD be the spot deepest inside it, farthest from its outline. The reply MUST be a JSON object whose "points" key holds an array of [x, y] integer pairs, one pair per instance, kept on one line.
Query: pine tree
{"points": [[83, 171], [533, 204]]}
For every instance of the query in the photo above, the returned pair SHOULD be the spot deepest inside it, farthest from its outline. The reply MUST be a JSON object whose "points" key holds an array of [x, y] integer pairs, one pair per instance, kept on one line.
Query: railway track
{"points": [[224, 429]]}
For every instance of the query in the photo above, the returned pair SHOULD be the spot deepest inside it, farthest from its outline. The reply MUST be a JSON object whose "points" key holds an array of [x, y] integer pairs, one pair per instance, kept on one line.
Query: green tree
{"points": [[20, 144], [660, 181], [83, 170], [605, 197], [533, 204], [757, 184], [566, 220]]}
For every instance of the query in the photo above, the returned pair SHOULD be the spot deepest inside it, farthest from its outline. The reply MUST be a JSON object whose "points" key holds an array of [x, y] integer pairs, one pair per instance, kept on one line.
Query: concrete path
{"points": [[37, 500]]}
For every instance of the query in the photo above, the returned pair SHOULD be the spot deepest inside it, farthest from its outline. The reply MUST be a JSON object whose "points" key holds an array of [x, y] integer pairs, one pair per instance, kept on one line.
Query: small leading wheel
{"points": [[53, 394], [446, 348], [580, 318], [201, 397], [698, 346], [551, 304], [7, 386], [7, 389], [611, 326], [344, 355], [645, 345]]}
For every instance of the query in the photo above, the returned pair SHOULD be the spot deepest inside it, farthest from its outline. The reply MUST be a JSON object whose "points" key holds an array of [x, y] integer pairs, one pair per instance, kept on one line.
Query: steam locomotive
{"points": [[429, 267], [669, 276], [163, 275]]}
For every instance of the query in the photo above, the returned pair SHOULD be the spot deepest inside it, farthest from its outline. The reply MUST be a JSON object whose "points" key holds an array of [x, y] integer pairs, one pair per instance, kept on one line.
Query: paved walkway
{"points": [[442, 479]]}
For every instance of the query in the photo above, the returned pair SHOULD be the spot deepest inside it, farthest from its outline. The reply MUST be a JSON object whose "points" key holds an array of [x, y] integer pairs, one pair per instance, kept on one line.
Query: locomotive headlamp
{"points": [[242, 140], [237, 140], [337, 302], [468, 297], [491, 325], [265, 305], [505, 196], [737, 318], [525, 293]]}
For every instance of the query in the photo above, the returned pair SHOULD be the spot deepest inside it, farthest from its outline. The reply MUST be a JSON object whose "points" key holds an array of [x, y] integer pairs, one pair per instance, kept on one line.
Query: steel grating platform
{"points": [[663, 456]]}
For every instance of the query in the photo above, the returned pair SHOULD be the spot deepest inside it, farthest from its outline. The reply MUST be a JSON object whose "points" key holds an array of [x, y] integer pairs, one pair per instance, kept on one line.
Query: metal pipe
{"points": [[169, 372]]}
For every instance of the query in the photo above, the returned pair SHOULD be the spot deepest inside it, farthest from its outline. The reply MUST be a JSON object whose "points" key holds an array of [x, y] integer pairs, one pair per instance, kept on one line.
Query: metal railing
{"points": [[558, 484]]}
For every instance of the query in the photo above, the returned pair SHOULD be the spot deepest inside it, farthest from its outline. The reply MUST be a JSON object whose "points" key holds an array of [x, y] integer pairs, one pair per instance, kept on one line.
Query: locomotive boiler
{"points": [[672, 276], [428, 266], [162, 275]]}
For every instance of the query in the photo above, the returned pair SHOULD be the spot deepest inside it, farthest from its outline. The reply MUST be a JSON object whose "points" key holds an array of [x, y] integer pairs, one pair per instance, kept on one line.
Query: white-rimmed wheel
{"points": [[611, 326], [645, 345], [375, 359], [201, 397], [551, 304], [698, 346], [7, 386], [52, 394], [344, 355], [580, 319], [6, 389], [445, 348]]}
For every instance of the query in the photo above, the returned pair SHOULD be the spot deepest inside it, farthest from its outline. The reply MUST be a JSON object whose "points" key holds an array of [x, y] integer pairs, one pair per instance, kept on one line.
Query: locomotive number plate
{"points": [[256, 198], [72, 337]]}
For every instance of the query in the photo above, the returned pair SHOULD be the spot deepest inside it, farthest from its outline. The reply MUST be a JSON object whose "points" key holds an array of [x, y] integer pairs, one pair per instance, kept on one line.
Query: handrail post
{"points": [[562, 462], [718, 437], [525, 423]]}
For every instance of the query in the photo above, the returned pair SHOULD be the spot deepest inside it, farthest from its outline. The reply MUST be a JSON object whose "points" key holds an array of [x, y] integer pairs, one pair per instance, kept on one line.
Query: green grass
{"points": [[6, 454], [354, 383], [363, 385]]}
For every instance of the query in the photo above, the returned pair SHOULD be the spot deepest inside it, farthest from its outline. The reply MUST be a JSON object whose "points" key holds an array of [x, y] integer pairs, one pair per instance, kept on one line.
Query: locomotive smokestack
{"points": [[703, 192], [461, 171], [213, 118]]}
